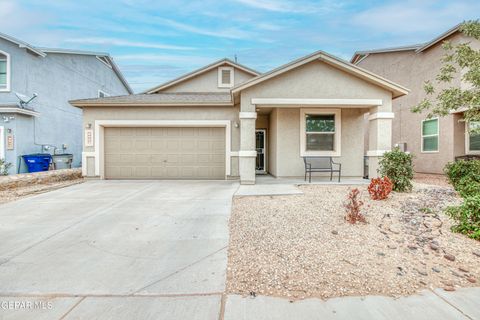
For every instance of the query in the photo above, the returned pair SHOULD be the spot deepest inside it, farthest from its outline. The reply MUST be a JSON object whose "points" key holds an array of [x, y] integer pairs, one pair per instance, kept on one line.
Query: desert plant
{"points": [[353, 206], [4, 166], [397, 166], [467, 217], [380, 188], [464, 176]]}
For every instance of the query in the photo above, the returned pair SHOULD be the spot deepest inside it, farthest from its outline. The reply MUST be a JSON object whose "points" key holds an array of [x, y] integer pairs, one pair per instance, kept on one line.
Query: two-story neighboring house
{"points": [[433, 142], [49, 123]]}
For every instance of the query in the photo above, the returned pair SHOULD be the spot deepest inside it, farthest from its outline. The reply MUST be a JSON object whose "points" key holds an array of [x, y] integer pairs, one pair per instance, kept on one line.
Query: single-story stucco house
{"points": [[227, 121]]}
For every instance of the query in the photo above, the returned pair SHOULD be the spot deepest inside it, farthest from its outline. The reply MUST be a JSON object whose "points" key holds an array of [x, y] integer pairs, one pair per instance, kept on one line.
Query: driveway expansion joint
{"points": [[451, 304]]}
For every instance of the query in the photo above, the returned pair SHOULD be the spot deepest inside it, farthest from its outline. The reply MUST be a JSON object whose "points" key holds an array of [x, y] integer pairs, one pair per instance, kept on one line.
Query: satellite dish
{"points": [[25, 100]]}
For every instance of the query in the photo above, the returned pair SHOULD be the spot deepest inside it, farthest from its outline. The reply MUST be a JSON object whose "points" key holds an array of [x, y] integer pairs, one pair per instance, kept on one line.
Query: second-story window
{"points": [[4, 71], [225, 77]]}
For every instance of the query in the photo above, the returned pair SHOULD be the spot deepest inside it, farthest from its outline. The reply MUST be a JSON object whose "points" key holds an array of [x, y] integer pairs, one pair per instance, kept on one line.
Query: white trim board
{"points": [[101, 124], [9, 71], [2, 142], [467, 141], [317, 102], [337, 152], [422, 136], [26, 112], [381, 115]]}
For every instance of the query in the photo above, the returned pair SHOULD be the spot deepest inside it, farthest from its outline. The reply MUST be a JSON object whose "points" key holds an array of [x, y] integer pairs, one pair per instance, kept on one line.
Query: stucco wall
{"points": [[273, 143], [316, 80], [208, 82], [168, 113], [286, 149], [412, 70], [56, 78]]}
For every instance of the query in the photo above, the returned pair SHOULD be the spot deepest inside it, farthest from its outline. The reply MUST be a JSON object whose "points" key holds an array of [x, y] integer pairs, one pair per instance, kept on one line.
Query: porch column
{"points": [[247, 154], [380, 138]]}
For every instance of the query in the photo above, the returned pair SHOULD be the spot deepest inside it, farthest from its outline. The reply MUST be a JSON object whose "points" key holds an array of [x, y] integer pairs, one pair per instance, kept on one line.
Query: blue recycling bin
{"points": [[37, 162]]}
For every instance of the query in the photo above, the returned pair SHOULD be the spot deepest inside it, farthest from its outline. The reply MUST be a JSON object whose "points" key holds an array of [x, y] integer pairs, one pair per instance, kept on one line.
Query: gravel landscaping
{"points": [[18, 186], [433, 179], [300, 246]]}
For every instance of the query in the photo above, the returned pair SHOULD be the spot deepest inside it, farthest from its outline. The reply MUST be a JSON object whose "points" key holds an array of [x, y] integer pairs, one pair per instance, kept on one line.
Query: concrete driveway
{"points": [[117, 248]]}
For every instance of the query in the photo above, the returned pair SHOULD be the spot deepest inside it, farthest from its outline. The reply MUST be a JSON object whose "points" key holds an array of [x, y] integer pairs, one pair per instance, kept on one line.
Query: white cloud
{"points": [[229, 33], [285, 6], [125, 43], [415, 16], [164, 58]]}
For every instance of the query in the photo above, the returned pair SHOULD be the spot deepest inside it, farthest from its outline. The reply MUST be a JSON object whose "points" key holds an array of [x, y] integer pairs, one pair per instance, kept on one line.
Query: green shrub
{"points": [[464, 177], [4, 166], [397, 165], [467, 217]]}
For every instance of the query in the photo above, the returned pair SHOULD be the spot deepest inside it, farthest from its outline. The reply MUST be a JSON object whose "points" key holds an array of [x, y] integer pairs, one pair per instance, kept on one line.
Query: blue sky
{"points": [[154, 41]]}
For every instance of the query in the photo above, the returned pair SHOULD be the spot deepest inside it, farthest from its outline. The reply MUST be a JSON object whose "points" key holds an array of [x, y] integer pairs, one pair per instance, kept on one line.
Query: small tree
{"points": [[397, 166], [457, 58]]}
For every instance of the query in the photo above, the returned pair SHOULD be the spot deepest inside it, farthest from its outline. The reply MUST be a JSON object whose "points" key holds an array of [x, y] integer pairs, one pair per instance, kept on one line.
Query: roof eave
{"points": [[199, 71], [441, 37], [80, 104], [119, 74], [396, 89]]}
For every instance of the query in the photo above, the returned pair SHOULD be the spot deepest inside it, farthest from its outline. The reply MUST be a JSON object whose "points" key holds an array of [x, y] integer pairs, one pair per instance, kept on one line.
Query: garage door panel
{"points": [[165, 153], [158, 172], [143, 132], [158, 158], [142, 145], [173, 145]]}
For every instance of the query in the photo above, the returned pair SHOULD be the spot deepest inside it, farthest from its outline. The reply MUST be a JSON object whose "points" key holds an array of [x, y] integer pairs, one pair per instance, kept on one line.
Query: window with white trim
{"points": [[320, 132], [473, 137], [102, 94], [4, 71], [430, 132], [225, 77]]}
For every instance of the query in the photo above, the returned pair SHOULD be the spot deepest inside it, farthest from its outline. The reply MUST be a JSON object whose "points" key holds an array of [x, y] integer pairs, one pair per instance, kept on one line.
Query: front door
{"points": [[260, 143]]}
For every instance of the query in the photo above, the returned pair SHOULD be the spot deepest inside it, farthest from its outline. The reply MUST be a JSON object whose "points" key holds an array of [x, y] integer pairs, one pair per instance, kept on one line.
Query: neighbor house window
{"points": [[320, 132], [225, 77], [4, 71], [473, 137], [430, 135], [102, 94]]}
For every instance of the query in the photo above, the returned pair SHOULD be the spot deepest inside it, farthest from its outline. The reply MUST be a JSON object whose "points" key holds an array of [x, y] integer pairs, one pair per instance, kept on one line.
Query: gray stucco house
{"points": [[227, 121], [56, 76]]}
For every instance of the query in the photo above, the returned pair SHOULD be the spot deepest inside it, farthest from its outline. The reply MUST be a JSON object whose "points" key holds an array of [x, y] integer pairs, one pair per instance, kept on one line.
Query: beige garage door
{"points": [[165, 153]]}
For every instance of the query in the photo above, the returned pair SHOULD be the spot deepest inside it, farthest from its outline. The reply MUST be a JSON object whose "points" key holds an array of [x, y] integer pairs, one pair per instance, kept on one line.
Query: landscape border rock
{"points": [[44, 177]]}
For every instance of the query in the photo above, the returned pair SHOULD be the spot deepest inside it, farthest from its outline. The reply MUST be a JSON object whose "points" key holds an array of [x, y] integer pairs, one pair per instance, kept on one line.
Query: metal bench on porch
{"points": [[321, 164]]}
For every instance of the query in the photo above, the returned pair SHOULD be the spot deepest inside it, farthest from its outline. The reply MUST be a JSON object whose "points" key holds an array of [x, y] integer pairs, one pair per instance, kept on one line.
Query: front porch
{"points": [[282, 135], [315, 106]]}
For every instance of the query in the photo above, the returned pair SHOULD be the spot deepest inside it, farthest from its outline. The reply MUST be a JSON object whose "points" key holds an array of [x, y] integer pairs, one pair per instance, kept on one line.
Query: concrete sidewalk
{"points": [[437, 304]]}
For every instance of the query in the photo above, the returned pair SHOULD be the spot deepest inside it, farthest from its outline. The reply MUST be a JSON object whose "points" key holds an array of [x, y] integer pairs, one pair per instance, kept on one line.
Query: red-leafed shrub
{"points": [[352, 206], [380, 188]]}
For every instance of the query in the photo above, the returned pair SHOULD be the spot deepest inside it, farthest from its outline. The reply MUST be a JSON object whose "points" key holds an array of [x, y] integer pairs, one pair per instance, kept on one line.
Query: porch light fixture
{"points": [[235, 124], [88, 126]]}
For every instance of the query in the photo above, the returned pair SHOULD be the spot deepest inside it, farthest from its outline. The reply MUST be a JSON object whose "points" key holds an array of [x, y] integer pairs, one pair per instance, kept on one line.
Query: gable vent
{"points": [[225, 77]]}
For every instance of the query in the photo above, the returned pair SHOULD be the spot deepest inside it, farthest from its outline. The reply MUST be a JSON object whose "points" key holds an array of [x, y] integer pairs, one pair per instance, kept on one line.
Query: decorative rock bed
{"points": [[300, 246], [45, 177], [18, 186]]}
